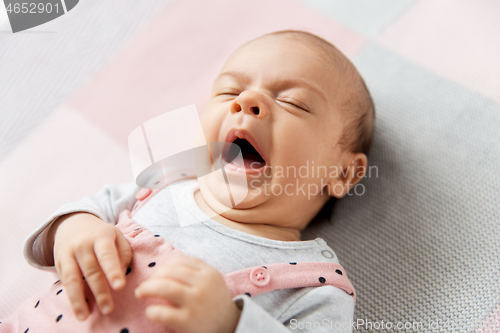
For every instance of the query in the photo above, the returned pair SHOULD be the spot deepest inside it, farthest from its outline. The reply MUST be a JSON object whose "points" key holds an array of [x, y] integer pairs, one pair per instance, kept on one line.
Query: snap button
{"points": [[143, 193], [327, 254], [259, 276]]}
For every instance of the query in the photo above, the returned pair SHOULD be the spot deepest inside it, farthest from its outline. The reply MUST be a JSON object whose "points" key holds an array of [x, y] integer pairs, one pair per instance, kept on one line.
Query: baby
{"points": [[289, 99]]}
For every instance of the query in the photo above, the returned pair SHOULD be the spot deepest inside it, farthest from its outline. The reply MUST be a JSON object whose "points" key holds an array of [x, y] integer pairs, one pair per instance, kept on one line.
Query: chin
{"points": [[254, 198], [216, 191]]}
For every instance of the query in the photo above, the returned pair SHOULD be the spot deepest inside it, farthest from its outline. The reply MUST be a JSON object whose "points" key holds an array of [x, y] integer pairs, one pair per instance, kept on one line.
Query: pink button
{"points": [[143, 193], [259, 276]]}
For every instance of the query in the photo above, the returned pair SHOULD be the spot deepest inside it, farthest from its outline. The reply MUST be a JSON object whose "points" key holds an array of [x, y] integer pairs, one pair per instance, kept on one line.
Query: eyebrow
{"points": [[282, 83]]}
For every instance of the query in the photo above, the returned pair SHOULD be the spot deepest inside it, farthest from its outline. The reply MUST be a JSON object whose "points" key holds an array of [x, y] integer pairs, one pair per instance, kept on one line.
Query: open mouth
{"points": [[252, 160]]}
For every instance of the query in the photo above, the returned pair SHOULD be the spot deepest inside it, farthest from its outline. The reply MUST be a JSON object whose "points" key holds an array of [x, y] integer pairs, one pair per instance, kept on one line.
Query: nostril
{"points": [[255, 110], [237, 107]]}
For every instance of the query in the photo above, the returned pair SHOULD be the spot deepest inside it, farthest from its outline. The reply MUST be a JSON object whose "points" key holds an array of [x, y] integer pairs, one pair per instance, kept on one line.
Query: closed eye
{"points": [[293, 104], [227, 93]]}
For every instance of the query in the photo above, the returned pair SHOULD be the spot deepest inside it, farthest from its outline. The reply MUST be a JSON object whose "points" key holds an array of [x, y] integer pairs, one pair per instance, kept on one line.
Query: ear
{"points": [[352, 172]]}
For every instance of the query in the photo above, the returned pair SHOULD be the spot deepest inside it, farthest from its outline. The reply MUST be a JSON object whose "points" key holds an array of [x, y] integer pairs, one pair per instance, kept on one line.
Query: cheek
{"points": [[211, 123], [306, 143], [298, 141]]}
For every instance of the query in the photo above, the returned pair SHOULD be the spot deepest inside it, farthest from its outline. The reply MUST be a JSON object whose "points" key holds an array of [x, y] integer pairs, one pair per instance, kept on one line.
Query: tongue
{"points": [[250, 161]]}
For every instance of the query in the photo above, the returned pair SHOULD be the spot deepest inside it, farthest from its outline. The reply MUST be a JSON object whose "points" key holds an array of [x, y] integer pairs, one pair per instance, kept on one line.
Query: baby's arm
{"points": [[80, 236], [106, 205]]}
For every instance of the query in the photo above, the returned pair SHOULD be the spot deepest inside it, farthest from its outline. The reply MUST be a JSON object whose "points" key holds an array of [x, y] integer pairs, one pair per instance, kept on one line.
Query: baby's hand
{"points": [[86, 244], [201, 299]]}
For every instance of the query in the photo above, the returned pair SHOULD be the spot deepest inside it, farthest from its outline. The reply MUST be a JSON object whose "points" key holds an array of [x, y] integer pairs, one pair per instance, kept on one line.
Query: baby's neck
{"points": [[261, 230]]}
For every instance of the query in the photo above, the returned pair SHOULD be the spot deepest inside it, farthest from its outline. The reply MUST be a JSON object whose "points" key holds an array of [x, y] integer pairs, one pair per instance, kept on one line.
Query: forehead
{"points": [[275, 58]]}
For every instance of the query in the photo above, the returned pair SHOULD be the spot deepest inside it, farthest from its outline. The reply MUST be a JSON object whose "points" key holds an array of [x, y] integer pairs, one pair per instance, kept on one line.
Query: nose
{"points": [[250, 102]]}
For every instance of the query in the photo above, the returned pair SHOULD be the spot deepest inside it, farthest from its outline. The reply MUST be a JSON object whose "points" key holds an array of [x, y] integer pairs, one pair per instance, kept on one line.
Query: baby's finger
{"points": [[96, 280], [107, 256], [167, 316], [171, 290], [182, 273], [71, 279], [124, 249]]}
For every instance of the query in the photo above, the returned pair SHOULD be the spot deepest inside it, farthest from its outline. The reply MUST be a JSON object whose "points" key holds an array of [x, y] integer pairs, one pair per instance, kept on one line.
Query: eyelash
{"points": [[294, 105], [227, 94], [287, 102]]}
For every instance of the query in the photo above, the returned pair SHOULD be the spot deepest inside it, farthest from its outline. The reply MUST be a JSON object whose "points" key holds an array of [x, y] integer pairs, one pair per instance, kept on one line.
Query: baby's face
{"points": [[275, 97]]}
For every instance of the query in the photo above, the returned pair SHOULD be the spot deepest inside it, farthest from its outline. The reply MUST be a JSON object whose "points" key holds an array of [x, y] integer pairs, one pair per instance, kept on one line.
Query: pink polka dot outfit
{"points": [[51, 312]]}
